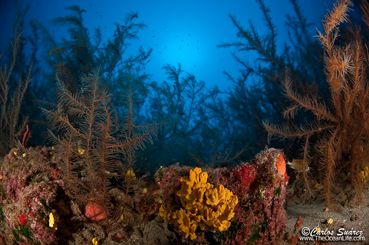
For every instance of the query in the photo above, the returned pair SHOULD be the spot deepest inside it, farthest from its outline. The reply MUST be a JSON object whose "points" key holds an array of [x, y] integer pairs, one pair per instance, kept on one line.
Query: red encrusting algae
{"points": [[22, 219]]}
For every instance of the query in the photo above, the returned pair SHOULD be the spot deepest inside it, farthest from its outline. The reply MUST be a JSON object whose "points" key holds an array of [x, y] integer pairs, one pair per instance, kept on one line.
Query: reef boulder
{"points": [[254, 194]]}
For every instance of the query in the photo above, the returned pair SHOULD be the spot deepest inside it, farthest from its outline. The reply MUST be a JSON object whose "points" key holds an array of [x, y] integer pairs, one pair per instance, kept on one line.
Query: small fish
{"points": [[298, 165]]}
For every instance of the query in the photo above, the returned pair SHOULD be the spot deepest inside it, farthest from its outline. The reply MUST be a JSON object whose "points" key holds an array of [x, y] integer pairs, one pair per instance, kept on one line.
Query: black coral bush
{"points": [[257, 92], [83, 128], [342, 123], [15, 77]]}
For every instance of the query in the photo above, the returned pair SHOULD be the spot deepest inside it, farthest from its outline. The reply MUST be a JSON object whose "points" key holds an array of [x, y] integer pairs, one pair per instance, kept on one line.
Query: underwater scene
{"points": [[184, 122]]}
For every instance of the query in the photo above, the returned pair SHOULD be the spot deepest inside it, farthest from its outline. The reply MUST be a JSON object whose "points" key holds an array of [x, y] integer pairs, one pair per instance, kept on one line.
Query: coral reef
{"points": [[36, 208], [91, 187], [29, 189], [259, 188], [234, 205]]}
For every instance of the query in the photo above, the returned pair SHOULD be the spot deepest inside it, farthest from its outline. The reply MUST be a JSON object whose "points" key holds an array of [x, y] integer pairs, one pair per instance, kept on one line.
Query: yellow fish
{"points": [[298, 165]]}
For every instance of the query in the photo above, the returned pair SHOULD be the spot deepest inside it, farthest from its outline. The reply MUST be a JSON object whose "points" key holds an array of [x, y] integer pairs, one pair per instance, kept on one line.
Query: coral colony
{"points": [[86, 181]]}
